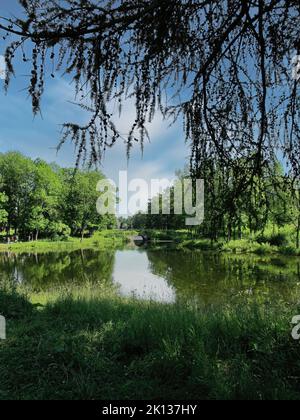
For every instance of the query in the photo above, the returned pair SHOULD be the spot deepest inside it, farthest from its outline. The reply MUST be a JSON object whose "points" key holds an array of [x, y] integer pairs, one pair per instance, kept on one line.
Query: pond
{"points": [[165, 275]]}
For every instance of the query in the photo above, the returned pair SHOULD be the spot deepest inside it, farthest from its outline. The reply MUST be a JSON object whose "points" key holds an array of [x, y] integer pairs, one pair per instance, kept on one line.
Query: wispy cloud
{"points": [[38, 137]]}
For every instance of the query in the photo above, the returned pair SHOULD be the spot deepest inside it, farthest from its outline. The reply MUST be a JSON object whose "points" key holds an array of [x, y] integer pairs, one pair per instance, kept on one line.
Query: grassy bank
{"points": [[242, 246], [280, 243], [101, 240], [90, 344]]}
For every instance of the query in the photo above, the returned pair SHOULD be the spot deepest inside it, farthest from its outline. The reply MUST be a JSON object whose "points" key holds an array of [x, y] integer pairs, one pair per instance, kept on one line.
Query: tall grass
{"points": [[90, 344]]}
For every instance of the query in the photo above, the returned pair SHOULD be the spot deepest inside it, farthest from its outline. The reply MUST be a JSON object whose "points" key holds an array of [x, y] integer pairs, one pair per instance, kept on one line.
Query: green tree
{"points": [[3, 212], [18, 181], [44, 200], [79, 201]]}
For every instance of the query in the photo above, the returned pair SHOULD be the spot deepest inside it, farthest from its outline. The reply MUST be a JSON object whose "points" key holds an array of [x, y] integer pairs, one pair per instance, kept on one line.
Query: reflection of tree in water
{"points": [[42, 271], [213, 278]]}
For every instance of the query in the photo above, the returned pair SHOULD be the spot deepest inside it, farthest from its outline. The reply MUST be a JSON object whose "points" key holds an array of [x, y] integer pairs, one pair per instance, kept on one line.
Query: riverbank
{"points": [[279, 244], [91, 344], [243, 246], [112, 239], [108, 239]]}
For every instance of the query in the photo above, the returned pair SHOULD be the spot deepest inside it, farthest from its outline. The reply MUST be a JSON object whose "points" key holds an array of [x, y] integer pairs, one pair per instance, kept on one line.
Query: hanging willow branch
{"points": [[225, 66]]}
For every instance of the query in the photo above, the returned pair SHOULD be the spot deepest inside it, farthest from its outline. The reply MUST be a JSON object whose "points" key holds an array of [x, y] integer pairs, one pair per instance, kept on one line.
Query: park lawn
{"points": [[100, 240]]}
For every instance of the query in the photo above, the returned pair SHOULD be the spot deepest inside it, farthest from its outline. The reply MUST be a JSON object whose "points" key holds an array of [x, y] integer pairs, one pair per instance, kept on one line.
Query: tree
{"points": [[58, 230], [3, 212], [295, 213], [44, 198], [222, 65], [80, 200], [17, 176]]}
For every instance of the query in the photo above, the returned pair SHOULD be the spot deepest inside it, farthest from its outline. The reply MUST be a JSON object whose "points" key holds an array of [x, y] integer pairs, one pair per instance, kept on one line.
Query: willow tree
{"points": [[225, 67]]}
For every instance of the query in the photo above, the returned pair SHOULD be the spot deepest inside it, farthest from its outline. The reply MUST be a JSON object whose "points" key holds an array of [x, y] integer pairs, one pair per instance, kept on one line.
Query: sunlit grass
{"points": [[271, 241], [100, 240]]}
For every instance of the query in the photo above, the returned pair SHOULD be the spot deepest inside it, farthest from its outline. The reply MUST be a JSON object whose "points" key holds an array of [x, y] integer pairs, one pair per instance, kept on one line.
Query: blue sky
{"points": [[38, 137]]}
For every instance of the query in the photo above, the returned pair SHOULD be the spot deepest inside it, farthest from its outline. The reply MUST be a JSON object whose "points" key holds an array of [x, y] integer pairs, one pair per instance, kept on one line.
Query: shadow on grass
{"points": [[109, 348]]}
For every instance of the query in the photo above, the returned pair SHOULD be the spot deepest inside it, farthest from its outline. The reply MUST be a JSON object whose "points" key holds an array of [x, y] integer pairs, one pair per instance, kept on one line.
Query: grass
{"points": [[100, 240], [269, 243], [87, 343], [90, 344], [245, 246]]}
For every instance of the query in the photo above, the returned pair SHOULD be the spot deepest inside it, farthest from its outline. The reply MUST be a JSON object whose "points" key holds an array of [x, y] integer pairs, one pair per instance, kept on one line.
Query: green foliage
{"points": [[268, 210], [276, 239], [102, 347], [38, 200], [290, 251], [79, 205], [100, 240], [3, 212], [58, 231]]}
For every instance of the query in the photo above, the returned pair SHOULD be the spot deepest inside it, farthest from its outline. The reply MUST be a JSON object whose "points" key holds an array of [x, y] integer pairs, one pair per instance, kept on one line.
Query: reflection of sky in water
{"points": [[161, 275], [132, 275]]}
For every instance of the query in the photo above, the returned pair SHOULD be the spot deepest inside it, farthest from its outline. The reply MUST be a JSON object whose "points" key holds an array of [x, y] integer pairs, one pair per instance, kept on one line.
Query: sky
{"points": [[39, 136]]}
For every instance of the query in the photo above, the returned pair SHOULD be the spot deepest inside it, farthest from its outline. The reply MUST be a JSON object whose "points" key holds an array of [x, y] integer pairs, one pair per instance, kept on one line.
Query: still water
{"points": [[164, 275]]}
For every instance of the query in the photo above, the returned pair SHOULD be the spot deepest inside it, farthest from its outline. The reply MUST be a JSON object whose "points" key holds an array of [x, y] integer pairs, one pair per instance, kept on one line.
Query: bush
{"points": [[278, 239], [264, 249], [275, 239], [238, 246], [58, 231], [290, 250]]}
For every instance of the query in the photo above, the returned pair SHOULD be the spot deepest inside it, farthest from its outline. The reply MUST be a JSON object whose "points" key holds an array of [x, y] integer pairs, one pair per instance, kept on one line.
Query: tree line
{"points": [[42, 200], [267, 204]]}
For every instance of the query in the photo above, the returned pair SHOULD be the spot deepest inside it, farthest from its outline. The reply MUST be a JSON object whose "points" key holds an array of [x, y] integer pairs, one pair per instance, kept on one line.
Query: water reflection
{"points": [[161, 275], [133, 277]]}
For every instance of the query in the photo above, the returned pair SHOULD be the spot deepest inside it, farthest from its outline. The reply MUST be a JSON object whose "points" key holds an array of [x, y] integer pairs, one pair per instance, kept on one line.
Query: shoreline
{"points": [[114, 239], [101, 240], [245, 246]]}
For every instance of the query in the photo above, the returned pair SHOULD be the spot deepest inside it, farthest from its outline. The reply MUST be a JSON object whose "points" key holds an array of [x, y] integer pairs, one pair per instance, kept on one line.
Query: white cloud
{"points": [[165, 153]]}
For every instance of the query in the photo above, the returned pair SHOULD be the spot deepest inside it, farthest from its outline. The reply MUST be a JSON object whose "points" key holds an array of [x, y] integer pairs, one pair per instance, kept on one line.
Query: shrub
{"points": [[290, 250], [274, 239], [58, 231], [239, 246], [264, 249]]}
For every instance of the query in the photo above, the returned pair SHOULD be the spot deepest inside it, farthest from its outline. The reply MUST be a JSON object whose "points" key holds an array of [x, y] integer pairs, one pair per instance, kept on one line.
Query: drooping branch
{"points": [[225, 65]]}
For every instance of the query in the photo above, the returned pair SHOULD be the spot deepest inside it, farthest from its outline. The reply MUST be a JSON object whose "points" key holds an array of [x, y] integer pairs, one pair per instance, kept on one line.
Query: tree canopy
{"points": [[38, 199], [265, 207], [224, 66]]}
